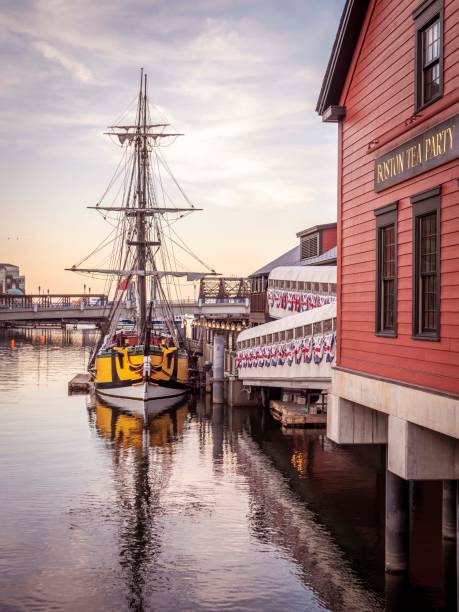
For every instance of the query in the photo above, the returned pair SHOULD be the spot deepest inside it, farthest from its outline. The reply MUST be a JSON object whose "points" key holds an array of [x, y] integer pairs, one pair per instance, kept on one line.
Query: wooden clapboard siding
{"points": [[379, 99], [328, 239]]}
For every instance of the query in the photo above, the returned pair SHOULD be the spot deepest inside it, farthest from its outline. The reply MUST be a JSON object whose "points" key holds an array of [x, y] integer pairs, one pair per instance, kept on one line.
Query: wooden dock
{"points": [[294, 415], [81, 383]]}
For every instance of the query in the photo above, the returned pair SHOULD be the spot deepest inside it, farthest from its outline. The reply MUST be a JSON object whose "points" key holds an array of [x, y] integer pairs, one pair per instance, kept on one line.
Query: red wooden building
{"points": [[408, 327], [392, 86]]}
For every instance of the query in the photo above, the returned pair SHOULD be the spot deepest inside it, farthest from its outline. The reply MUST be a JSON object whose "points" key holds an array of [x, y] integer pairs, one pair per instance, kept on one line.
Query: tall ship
{"points": [[143, 369]]}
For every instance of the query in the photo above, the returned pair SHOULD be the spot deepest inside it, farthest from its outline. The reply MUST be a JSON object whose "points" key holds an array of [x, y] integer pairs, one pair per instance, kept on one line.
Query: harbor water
{"points": [[202, 508]]}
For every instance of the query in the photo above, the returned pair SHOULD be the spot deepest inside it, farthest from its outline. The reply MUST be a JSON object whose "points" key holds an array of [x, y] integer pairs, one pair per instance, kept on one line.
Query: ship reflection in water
{"points": [[142, 462], [199, 508]]}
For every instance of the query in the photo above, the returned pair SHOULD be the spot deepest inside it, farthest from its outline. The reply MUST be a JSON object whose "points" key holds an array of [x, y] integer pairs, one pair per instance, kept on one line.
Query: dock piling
{"points": [[218, 369], [397, 504]]}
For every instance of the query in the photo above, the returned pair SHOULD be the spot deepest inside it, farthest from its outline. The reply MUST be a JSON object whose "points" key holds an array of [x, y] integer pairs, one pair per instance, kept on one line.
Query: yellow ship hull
{"points": [[122, 379]]}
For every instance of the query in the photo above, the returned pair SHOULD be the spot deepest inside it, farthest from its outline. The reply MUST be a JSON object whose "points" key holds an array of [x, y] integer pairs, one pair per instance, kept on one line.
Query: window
{"points": [[317, 328], [426, 264], [386, 270], [429, 52]]}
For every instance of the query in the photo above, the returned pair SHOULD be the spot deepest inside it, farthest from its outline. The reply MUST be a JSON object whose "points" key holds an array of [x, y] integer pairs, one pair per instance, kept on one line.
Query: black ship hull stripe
{"points": [[141, 399]]}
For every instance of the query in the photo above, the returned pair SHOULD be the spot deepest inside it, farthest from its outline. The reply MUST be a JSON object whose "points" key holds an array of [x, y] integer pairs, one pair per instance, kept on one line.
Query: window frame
{"points": [[385, 217], [423, 16], [425, 203]]}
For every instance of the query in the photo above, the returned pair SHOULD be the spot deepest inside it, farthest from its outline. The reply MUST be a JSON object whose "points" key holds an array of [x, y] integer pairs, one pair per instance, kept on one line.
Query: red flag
{"points": [[124, 282]]}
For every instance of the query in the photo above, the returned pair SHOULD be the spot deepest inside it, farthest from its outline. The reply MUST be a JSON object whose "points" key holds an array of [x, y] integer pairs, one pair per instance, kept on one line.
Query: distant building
{"points": [[317, 247], [10, 279]]}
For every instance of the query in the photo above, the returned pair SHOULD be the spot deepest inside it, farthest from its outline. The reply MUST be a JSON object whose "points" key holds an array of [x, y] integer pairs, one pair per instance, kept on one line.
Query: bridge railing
{"points": [[39, 301]]}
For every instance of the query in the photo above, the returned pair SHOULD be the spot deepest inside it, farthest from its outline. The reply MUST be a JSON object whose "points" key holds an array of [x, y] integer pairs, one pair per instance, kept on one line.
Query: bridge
{"points": [[75, 308]]}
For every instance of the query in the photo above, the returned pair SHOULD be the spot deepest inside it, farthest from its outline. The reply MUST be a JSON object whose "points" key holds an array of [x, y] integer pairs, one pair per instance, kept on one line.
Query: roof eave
{"points": [[340, 60], [316, 228]]}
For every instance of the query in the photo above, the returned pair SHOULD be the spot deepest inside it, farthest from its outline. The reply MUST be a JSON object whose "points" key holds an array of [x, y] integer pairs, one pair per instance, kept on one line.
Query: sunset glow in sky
{"points": [[239, 77]]}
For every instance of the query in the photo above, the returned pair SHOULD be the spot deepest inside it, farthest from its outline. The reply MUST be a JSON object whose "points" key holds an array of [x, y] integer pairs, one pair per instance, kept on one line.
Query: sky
{"points": [[240, 78]]}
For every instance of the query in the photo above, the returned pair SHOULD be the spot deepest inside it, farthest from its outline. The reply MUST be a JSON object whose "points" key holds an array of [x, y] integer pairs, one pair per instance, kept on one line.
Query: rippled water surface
{"points": [[204, 508]]}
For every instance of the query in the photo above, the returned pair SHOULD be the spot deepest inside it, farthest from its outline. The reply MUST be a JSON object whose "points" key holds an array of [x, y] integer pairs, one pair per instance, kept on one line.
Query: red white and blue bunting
{"points": [[313, 349], [297, 301]]}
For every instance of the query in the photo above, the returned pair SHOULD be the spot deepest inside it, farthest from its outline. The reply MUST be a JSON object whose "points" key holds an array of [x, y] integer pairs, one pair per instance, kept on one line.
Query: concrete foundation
{"points": [[351, 423], [418, 453], [397, 505], [430, 410], [449, 510], [238, 395]]}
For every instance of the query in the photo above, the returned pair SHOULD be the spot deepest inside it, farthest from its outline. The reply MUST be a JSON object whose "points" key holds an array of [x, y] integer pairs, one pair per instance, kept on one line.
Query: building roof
{"points": [[340, 60], [290, 258], [316, 228], [8, 266], [327, 257], [14, 291]]}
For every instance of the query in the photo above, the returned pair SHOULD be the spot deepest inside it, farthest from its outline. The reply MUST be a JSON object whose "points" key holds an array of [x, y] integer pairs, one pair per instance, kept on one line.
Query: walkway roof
{"points": [[304, 318], [311, 274]]}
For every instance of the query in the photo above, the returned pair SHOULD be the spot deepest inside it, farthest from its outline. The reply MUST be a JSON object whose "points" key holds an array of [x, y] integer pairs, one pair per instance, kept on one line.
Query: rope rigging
{"points": [[142, 244]]}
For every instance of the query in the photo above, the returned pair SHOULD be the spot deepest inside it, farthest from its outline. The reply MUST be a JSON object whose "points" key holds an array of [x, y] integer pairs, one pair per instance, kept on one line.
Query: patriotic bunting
{"points": [[296, 301], [286, 354]]}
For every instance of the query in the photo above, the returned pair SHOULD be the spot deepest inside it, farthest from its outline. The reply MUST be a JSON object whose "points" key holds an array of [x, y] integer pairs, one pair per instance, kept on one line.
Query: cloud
{"points": [[77, 69], [239, 78]]}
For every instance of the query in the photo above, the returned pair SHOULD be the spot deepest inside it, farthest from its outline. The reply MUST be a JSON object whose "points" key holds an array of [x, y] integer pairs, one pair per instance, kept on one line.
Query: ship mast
{"points": [[142, 164]]}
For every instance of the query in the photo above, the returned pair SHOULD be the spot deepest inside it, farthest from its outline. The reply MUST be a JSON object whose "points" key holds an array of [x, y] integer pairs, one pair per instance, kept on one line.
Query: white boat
{"points": [[142, 398]]}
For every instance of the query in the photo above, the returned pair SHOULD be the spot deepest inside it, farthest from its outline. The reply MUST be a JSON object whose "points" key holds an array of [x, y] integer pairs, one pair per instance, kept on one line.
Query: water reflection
{"points": [[143, 453], [202, 507]]}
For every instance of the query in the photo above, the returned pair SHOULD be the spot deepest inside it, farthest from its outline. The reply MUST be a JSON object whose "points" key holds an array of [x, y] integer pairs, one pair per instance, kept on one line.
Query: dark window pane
{"points": [[431, 81], [388, 304], [428, 272], [387, 281]]}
